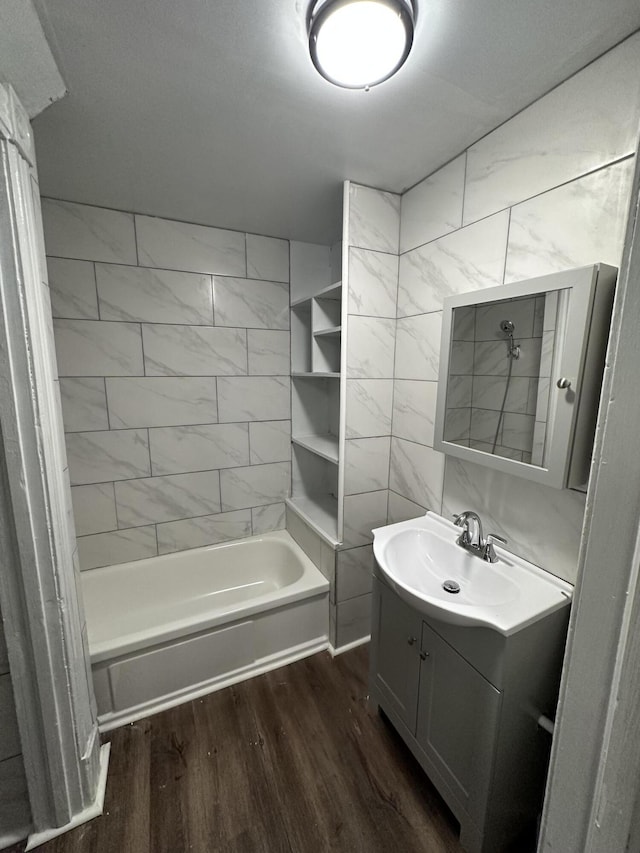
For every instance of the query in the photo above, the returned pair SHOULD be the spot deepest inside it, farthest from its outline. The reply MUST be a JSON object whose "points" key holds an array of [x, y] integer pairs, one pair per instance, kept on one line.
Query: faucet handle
{"points": [[489, 553], [493, 537]]}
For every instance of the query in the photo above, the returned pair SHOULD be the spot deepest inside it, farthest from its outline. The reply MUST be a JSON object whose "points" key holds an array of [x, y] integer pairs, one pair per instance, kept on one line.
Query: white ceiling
{"points": [[25, 57], [210, 111]]}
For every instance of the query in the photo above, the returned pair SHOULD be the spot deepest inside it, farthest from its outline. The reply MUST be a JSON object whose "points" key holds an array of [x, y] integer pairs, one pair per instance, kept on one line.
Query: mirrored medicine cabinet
{"points": [[520, 374]]}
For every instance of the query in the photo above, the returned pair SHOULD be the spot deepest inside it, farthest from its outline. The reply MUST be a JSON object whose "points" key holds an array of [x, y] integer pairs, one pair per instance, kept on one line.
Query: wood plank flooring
{"points": [[289, 762]]}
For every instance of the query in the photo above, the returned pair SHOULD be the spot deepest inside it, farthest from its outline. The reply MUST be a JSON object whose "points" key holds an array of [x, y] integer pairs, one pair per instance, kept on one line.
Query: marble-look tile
{"points": [[73, 289], [179, 450], [373, 283], [551, 305], [267, 258], [417, 472], [161, 401], [269, 352], [308, 540], [171, 245], [250, 303], [574, 225], [97, 457], [154, 296], [461, 358], [366, 465], [433, 207], [354, 572], [414, 410], [519, 510], [464, 323], [157, 499], [249, 398], [491, 358], [459, 393], [401, 509], [89, 233], [517, 431], [537, 444], [122, 546], [469, 259], [532, 400], [587, 122], [256, 485], [542, 401], [484, 423], [94, 348], [374, 219], [84, 406], [353, 620], [418, 347], [361, 514], [488, 393], [264, 519], [370, 348], [270, 441], [94, 508], [206, 530], [369, 405], [546, 353], [457, 425], [194, 351], [521, 312]]}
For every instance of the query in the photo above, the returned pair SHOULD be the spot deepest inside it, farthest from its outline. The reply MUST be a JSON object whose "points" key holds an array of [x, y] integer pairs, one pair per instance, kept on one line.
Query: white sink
{"points": [[418, 556]]}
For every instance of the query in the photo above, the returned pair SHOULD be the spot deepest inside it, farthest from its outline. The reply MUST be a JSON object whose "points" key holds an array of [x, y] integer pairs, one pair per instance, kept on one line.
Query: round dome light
{"points": [[359, 43]]}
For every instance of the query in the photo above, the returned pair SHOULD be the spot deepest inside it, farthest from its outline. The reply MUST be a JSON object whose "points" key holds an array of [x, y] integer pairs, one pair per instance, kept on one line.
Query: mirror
{"points": [[520, 374]]}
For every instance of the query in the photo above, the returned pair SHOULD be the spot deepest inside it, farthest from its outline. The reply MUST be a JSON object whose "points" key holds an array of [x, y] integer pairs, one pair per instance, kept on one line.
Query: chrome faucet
{"points": [[471, 538]]}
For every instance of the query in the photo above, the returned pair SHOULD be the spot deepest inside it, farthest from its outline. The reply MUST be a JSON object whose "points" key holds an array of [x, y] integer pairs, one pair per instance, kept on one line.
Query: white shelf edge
{"points": [[314, 444], [332, 331], [306, 513], [325, 293], [310, 375]]}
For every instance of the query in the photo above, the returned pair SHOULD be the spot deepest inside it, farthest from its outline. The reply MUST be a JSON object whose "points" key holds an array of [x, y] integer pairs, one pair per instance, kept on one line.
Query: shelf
{"points": [[333, 332], [309, 375], [322, 445], [320, 512], [332, 291]]}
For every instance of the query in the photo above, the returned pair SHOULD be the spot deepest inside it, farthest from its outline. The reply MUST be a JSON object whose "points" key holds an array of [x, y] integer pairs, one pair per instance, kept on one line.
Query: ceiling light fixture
{"points": [[357, 44]]}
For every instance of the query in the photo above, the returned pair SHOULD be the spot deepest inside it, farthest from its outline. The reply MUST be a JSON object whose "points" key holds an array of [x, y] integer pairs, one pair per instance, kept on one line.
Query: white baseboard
{"points": [[347, 648], [94, 810]]}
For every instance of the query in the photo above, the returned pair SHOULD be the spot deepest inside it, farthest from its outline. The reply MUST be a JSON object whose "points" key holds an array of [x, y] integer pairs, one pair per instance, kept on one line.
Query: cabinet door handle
{"points": [[411, 641], [424, 655]]}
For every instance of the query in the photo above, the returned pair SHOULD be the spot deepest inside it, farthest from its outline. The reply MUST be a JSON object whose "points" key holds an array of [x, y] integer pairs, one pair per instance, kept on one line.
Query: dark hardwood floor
{"points": [[290, 761]]}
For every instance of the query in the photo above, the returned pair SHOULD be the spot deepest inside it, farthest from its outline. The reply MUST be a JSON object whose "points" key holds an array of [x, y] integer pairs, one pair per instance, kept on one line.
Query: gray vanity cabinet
{"points": [[398, 677], [466, 701], [457, 722]]}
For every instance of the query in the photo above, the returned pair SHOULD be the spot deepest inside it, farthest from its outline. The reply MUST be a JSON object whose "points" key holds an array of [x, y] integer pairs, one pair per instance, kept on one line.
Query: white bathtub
{"points": [[168, 629]]}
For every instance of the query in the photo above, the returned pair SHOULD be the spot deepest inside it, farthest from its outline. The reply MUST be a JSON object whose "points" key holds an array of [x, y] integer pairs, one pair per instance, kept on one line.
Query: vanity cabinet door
{"points": [[457, 722], [398, 647]]}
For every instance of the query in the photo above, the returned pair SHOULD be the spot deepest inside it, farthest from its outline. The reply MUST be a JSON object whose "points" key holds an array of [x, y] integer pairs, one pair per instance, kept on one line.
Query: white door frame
{"points": [[38, 596]]}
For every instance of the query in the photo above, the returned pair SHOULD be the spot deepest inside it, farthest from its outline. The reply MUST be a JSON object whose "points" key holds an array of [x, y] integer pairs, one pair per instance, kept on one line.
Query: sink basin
{"points": [[425, 566]]}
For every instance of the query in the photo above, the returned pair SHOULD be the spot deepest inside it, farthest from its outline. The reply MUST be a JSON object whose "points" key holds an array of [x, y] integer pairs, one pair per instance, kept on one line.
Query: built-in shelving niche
{"points": [[316, 340]]}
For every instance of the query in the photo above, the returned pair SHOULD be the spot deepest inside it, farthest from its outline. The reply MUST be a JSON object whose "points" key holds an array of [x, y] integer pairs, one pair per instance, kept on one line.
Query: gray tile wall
{"points": [[546, 191], [172, 344]]}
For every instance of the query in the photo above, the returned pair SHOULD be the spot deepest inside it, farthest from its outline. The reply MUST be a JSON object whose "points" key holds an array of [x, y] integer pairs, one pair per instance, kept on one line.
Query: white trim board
{"points": [[93, 810]]}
